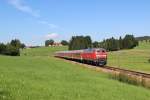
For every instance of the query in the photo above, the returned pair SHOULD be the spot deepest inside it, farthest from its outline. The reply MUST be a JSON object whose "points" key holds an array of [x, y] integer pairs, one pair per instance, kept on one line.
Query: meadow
{"points": [[37, 75], [134, 59], [42, 51]]}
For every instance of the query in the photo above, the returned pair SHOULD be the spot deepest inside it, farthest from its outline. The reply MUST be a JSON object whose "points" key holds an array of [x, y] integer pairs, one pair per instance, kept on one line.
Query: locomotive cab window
{"points": [[99, 51]]}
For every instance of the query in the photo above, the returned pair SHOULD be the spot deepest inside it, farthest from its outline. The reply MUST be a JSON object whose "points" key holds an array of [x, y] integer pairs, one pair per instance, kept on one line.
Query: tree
{"points": [[111, 44], [64, 42], [23, 45], [2, 48], [80, 42], [16, 43], [88, 41], [120, 43], [49, 42], [12, 50], [129, 42], [95, 44]]}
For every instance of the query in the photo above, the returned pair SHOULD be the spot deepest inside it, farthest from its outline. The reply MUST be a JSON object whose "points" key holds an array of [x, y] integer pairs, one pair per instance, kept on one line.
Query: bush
{"points": [[12, 51], [12, 48]]}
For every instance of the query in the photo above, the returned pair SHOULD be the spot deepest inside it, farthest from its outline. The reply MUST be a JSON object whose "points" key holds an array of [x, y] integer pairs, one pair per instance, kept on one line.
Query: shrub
{"points": [[2, 48], [12, 51], [12, 48]]}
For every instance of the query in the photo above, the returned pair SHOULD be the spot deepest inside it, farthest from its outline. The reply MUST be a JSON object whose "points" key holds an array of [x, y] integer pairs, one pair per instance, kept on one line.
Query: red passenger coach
{"points": [[97, 56]]}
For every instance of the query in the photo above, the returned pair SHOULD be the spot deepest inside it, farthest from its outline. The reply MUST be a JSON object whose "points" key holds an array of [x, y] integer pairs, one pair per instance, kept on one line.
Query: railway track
{"points": [[141, 74]]}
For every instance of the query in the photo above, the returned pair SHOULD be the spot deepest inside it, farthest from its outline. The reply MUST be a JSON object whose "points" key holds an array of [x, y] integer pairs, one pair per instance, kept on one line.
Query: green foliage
{"points": [[95, 44], [2, 48], [129, 42], [11, 48], [15, 43], [120, 43], [64, 42], [112, 44], [49, 42], [143, 38], [23, 45], [80, 42]]}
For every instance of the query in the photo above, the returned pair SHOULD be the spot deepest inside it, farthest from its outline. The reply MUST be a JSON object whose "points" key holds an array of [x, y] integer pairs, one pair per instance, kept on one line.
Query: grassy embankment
{"points": [[38, 76], [134, 59]]}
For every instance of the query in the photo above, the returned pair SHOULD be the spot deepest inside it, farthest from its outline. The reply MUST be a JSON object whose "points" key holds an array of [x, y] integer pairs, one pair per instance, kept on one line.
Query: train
{"points": [[96, 56]]}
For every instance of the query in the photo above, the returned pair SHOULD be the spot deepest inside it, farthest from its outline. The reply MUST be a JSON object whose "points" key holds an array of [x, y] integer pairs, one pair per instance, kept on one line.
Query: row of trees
{"points": [[12, 48], [51, 42], [111, 44], [80, 42]]}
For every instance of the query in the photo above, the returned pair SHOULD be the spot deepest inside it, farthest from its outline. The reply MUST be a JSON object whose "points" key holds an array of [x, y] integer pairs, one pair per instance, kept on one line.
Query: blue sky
{"points": [[34, 21]]}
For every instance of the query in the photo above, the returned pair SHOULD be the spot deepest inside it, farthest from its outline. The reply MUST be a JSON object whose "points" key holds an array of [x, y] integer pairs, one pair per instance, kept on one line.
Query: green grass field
{"points": [[38, 76], [134, 59], [42, 51]]}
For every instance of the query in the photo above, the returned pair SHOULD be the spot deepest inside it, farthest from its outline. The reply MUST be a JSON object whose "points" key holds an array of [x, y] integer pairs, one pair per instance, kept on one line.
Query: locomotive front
{"points": [[101, 56]]}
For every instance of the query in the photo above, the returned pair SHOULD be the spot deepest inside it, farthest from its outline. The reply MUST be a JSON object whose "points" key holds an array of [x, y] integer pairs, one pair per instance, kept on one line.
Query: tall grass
{"points": [[131, 79]]}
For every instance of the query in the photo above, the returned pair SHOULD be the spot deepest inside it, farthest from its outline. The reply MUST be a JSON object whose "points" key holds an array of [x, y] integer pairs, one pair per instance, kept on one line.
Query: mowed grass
{"points": [[37, 77], [42, 51], [134, 59]]}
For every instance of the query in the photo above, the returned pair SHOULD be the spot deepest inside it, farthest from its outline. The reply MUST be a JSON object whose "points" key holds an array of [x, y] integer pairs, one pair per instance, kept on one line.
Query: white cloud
{"points": [[52, 36], [48, 24], [20, 5]]}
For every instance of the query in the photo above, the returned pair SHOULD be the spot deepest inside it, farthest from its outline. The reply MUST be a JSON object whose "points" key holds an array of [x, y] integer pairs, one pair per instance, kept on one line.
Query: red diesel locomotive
{"points": [[97, 56]]}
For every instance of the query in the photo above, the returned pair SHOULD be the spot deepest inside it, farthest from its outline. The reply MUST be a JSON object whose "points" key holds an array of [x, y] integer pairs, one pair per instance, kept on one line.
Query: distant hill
{"points": [[143, 38]]}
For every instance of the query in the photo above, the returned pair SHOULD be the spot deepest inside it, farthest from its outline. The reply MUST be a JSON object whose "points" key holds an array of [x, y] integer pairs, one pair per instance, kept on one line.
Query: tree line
{"points": [[80, 42], [111, 44], [51, 42], [12, 48]]}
